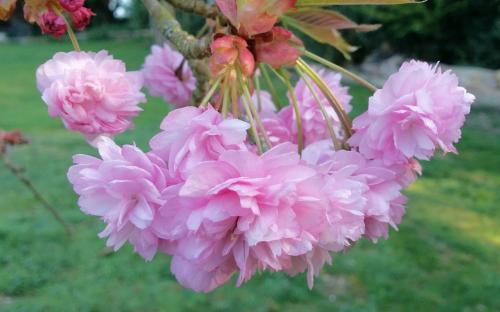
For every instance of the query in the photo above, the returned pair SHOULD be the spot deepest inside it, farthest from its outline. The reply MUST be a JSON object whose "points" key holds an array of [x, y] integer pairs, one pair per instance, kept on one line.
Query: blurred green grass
{"points": [[446, 256]]}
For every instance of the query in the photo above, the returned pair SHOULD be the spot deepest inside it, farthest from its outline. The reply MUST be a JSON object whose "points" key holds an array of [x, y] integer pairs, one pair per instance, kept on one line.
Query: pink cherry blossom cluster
{"points": [[206, 197], [49, 15]]}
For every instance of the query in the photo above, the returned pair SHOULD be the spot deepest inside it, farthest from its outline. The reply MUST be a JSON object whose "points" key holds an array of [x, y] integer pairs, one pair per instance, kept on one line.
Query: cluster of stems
{"points": [[232, 88]]}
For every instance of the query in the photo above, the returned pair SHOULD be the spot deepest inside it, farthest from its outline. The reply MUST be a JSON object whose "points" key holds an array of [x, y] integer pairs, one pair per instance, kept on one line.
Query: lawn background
{"points": [[446, 256]]}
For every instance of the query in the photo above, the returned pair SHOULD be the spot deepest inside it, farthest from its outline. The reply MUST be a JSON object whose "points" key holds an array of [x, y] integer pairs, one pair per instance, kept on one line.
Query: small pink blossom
{"points": [[167, 74], [191, 135], [124, 190], [91, 92], [419, 109], [313, 123]]}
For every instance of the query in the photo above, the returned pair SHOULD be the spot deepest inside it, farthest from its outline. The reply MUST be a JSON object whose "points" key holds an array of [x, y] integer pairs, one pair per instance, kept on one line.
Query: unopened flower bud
{"points": [[52, 24], [229, 51], [279, 47], [81, 18], [71, 5]]}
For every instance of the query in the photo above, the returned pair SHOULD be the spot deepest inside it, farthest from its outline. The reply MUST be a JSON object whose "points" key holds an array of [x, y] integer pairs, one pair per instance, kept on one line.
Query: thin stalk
{"points": [[226, 101], [339, 109], [257, 90], [341, 69], [211, 92], [329, 124], [17, 172], [246, 94], [300, 134], [247, 104], [71, 33], [253, 128], [234, 102], [272, 89]]}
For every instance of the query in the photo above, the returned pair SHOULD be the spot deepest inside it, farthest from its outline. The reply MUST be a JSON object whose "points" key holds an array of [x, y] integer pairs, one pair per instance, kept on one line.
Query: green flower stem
{"points": [[336, 143], [211, 92], [246, 94], [272, 89], [340, 69], [300, 134], [334, 102]]}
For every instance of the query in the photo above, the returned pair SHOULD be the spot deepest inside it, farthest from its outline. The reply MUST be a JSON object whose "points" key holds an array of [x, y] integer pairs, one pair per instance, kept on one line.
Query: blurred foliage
{"points": [[452, 31]]}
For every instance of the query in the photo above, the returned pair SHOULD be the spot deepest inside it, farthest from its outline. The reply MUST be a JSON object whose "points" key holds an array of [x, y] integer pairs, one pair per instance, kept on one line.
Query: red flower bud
{"points": [[71, 5], [52, 24], [229, 51], [81, 18], [279, 47]]}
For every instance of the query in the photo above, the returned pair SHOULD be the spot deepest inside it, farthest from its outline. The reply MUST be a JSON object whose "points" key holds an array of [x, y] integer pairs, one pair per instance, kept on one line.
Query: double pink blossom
{"points": [[167, 74], [376, 200], [124, 190], [191, 135], [419, 109], [91, 92], [245, 212]]}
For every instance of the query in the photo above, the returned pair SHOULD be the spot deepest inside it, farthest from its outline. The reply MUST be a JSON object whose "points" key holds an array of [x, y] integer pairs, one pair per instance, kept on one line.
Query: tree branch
{"points": [[197, 7], [186, 44], [17, 171]]}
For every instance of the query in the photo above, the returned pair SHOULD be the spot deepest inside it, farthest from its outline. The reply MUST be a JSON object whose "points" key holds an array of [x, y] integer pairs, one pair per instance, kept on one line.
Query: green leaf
{"points": [[323, 18], [352, 2], [323, 25]]}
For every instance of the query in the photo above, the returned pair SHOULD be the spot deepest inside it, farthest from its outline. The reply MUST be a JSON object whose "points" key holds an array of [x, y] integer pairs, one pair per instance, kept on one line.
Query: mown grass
{"points": [[446, 256]]}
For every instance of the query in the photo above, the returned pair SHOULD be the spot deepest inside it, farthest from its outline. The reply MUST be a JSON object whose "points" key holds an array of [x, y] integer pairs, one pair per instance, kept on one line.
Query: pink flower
{"points": [[191, 135], [245, 212], [81, 18], [277, 47], [349, 177], [229, 51], [52, 24], [418, 110], [91, 92], [167, 74], [71, 5], [123, 189], [313, 122], [253, 17]]}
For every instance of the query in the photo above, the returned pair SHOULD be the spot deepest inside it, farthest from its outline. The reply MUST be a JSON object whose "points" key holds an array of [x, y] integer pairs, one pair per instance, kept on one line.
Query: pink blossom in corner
{"points": [[91, 92], [167, 74], [123, 189], [245, 212], [419, 109], [191, 135], [313, 123]]}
